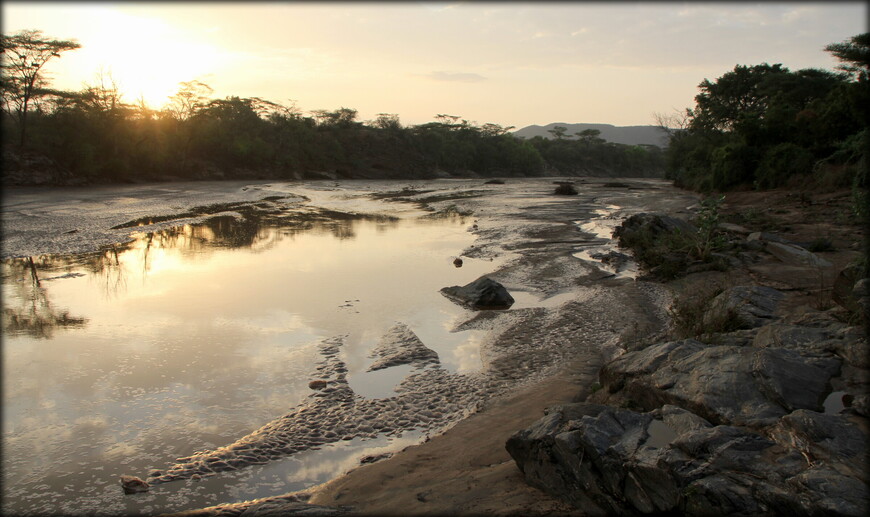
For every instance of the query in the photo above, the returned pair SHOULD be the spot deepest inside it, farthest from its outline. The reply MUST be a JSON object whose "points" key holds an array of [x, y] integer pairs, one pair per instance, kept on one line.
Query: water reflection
{"points": [[185, 339], [34, 315]]}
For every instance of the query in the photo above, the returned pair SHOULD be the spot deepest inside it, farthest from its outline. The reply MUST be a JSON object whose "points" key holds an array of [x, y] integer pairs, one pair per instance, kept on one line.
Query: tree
{"points": [[24, 56], [736, 97], [191, 96], [104, 95], [855, 53], [559, 132], [387, 121], [590, 136]]}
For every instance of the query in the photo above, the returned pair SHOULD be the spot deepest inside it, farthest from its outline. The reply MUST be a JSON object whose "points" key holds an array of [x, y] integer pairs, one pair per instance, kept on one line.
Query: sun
{"points": [[147, 57]]}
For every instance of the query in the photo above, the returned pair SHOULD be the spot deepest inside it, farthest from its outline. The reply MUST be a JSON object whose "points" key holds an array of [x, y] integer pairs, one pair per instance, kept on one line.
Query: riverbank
{"points": [[467, 470]]}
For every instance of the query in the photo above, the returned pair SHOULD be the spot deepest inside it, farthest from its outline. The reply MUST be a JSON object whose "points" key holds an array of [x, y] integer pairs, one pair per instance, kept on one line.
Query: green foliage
{"points": [[707, 238], [732, 164], [765, 126], [22, 78], [855, 54], [782, 162]]}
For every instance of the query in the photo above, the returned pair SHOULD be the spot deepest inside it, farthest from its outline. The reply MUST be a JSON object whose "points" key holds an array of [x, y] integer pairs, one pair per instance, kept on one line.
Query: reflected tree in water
{"points": [[27, 279], [35, 316]]}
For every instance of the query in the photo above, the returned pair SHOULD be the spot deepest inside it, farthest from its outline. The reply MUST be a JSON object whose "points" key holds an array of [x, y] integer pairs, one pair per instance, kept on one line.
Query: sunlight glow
{"points": [[147, 57]]}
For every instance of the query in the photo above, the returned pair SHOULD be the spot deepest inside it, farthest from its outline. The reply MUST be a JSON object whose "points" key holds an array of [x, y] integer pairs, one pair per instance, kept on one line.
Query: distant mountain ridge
{"points": [[629, 135]]}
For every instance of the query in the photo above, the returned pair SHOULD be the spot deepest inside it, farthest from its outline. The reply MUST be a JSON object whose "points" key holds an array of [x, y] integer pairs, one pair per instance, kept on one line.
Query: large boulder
{"points": [[795, 255], [650, 224], [609, 460], [743, 307], [483, 293], [724, 384]]}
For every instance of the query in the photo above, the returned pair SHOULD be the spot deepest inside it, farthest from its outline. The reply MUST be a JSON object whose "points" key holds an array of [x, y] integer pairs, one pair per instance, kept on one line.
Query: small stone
{"points": [[457, 262], [132, 484], [318, 384]]}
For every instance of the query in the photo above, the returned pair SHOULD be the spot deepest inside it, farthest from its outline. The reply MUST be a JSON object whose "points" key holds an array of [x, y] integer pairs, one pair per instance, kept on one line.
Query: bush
{"points": [[781, 163], [732, 164]]}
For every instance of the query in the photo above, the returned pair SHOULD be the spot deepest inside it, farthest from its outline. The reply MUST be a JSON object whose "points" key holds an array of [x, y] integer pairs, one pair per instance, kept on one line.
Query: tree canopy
{"points": [[764, 125], [25, 54]]}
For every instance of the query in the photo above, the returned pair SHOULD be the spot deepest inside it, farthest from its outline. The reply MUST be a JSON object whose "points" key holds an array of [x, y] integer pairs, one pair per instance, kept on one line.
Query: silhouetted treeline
{"points": [[764, 126], [101, 141], [92, 135]]}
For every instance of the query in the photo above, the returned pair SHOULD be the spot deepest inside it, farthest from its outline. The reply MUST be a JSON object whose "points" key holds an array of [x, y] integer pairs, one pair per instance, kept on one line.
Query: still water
{"points": [[186, 339]]}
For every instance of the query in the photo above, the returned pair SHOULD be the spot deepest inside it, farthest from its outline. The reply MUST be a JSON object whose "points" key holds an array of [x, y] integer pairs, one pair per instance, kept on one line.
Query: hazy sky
{"points": [[512, 63]]}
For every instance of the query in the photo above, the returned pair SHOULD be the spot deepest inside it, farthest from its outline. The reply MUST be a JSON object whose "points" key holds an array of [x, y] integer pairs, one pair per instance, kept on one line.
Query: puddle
{"points": [[606, 254], [834, 403], [660, 434], [188, 338]]}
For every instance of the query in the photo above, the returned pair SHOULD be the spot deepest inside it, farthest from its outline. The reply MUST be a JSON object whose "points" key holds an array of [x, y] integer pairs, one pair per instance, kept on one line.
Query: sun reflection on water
{"points": [[185, 339]]}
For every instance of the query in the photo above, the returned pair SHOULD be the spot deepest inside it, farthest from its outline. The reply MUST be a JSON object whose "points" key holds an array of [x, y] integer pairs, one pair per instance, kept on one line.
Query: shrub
{"points": [[781, 163], [732, 164]]}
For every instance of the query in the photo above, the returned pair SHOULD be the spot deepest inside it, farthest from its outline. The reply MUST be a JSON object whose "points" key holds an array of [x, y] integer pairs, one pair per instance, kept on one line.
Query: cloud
{"points": [[457, 77]]}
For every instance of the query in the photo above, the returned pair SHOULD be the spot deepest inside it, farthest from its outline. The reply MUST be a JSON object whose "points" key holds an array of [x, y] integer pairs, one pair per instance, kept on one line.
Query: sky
{"points": [[511, 63]]}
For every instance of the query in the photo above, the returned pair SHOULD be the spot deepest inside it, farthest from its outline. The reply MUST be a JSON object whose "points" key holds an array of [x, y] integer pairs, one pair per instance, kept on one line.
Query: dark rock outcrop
{"points": [[743, 307], [483, 293], [609, 460], [724, 384], [644, 225]]}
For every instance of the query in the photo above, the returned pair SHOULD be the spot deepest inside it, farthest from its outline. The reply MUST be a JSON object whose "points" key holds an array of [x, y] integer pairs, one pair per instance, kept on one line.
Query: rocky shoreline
{"points": [[769, 418], [765, 415]]}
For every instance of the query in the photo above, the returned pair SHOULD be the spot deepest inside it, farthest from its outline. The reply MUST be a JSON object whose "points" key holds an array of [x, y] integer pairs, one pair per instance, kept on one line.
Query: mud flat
{"points": [[572, 315]]}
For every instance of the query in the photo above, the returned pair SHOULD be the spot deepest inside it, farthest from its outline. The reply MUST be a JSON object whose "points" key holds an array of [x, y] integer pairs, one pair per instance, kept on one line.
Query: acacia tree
{"points": [[559, 132], [855, 55], [24, 57], [190, 98]]}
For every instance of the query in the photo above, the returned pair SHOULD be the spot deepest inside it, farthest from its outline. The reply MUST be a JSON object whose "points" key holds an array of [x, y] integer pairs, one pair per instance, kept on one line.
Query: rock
{"points": [[599, 459], [372, 458], [723, 384], [494, 182], [765, 237], [483, 293], [566, 189], [574, 453], [401, 346], [133, 485], [612, 258], [742, 307], [734, 228], [795, 255], [823, 437], [832, 493], [318, 384], [843, 292], [635, 226], [807, 341], [457, 262], [861, 405]]}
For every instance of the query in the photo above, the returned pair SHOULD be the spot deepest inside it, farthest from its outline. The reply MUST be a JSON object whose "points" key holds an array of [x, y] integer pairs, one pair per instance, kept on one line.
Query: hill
{"points": [[630, 135]]}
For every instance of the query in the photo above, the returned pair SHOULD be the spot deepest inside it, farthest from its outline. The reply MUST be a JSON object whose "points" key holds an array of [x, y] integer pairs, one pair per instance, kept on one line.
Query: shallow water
{"points": [[188, 338]]}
